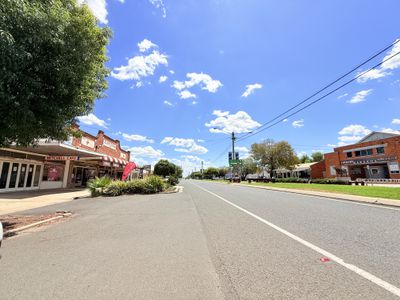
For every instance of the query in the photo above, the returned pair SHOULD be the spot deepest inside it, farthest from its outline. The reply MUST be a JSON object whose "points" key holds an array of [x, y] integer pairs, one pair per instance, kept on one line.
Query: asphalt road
{"points": [[212, 241]]}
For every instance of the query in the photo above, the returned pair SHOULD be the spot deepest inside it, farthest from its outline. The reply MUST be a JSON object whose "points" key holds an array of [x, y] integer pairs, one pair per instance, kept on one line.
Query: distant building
{"points": [[376, 156], [54, 164], [298, 171]]}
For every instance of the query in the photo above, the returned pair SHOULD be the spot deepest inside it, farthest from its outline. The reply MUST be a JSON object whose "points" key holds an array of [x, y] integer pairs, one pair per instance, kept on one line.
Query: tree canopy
{"points": [[52, 62], [274, 154], [317, 156], [165, 168]]}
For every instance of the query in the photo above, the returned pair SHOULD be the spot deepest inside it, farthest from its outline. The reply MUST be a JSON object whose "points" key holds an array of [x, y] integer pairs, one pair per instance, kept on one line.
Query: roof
{"points": [[376, 135]]}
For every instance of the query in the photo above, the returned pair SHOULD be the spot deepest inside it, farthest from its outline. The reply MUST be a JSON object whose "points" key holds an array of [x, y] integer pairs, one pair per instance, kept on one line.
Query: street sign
{"points": [[234, 162]]}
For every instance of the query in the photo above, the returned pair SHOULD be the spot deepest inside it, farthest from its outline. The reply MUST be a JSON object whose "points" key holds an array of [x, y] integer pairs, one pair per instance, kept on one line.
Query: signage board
{"points": [[87, 142], [109, 144], [234, 162], [61, 157], [368, 160]]}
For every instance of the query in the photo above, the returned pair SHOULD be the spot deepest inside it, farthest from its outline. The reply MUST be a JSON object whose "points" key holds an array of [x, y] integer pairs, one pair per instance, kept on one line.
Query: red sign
{"points": [[60, 157], [128, 169]]}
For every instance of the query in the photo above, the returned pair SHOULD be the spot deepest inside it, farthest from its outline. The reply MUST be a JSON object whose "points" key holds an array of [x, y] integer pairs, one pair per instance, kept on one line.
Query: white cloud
{"points": [[203, 80], [250, 88], [185, 145], [226, 123], [172, 72], [396, 121], [147, 151], [168, 103], [244, 151], [360, 96], [91, 119], [285, 120], [160, 5], [200, 141], [190, 163], [146, 45], [385, 68], [342, 96], [355, 130], [98, 8], [137, 138], [390, 130], [298, 123], [349, 138], [186, 94], [162, 79], [140, 66]]}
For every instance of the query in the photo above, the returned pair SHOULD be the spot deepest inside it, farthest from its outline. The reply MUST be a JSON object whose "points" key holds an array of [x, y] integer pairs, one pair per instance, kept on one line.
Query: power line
{"points": [[318, 99], [328, 86]]}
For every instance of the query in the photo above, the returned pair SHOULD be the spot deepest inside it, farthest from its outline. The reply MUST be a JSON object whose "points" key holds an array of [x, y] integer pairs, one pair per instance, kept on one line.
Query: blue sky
{"points": [[187, 72]]}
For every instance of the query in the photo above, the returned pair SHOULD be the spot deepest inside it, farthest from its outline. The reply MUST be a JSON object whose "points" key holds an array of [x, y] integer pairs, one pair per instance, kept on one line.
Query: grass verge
{"points": [[367, 191]]}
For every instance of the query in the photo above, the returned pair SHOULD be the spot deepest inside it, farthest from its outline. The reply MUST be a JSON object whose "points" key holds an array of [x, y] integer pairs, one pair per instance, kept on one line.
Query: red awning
{"points": [[115, 160]]}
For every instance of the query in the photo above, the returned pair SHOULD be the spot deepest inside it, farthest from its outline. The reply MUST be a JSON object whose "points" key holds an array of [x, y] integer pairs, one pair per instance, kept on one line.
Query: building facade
{"points": [[69, 164], [376, 156]]}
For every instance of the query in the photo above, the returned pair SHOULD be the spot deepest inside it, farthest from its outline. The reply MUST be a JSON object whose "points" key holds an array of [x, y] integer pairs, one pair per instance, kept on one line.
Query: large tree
{"points": [[274, 154], [165, 168], [52, 68], [317, 156]]}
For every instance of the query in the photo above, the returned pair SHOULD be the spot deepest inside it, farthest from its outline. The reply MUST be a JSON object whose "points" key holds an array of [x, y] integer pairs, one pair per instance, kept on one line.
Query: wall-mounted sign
{"points": [[393, 167], [368, 160], [61, 157], [109, 144], [87, 142]]}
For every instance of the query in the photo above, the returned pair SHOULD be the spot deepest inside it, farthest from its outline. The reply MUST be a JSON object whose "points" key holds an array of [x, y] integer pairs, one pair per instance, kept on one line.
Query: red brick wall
{"points": [[318, 169], [102, 142], [331, 159], [96, 144]]}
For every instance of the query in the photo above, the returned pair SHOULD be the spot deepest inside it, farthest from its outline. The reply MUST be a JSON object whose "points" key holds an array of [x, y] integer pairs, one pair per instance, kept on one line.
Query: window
{"points": [[53, 172], [363, 152], [380, 150], [333, 170], [37, 175], [349, 154], [374, 171], [4, 174], [14, 173]]}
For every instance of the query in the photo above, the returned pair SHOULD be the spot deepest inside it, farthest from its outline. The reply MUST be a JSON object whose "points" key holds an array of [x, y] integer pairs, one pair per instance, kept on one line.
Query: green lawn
{"points": [[368, 191]]}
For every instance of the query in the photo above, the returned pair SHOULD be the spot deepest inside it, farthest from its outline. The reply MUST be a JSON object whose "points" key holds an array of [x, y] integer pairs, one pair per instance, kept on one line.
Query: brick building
{"points": [[54, 164], [376, 156]]}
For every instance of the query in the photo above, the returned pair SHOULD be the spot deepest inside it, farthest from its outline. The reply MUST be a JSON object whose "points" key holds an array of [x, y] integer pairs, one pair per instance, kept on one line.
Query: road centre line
{"points": [[376, 280]]}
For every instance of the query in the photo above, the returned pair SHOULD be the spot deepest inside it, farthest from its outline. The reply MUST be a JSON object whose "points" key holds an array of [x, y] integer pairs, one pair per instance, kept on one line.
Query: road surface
{"points": [[212, 241]]}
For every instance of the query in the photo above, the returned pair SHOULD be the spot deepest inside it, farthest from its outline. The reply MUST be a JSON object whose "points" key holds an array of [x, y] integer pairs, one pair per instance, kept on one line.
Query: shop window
{"points": [[37, 175], [30, 176], [380, 150], [349, 154], [4, 174], [13, 177], [53, 172], [22, 174]]}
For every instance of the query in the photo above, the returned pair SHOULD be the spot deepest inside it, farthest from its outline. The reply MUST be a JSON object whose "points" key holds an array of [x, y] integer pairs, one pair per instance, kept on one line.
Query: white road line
{"points": [[387, 286]]}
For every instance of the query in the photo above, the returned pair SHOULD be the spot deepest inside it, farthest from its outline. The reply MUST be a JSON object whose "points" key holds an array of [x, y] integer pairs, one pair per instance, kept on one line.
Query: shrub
{"points": [[116, 188], [329, 181], [97, 185], [135, 186], [173, 180], [292, 180], [153, 184]]}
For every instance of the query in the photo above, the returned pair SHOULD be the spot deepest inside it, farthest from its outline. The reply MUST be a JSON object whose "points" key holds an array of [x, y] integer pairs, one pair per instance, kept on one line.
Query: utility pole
{"points": [[202, 169]]}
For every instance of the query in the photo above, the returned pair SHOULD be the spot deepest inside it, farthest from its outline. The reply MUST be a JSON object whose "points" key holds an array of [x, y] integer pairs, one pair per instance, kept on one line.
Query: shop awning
{"points": [[115, 160]]}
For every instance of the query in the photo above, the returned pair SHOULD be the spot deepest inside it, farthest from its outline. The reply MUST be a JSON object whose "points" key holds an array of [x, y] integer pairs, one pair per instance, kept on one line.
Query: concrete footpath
{"points": [[11, 203], [339, 196]]}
